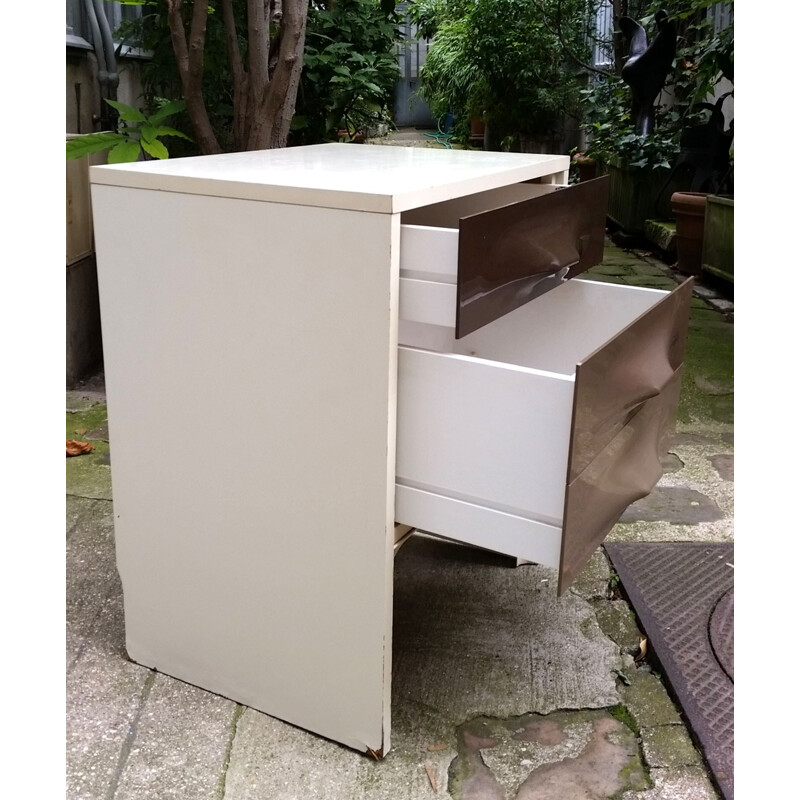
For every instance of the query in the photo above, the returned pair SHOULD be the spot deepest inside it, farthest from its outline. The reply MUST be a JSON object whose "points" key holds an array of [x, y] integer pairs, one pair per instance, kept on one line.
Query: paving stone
{"points": [[651, 282], [103, 697], [669, 746], [474, 635], [721, 304], [618, 622], [568, 754], [592, 580], [674, 504], [648, 701], [270, 759], [91, 573], [181, 744], [686, 783], [78, 400], [671, 463], [723, 464], [718, 388]]}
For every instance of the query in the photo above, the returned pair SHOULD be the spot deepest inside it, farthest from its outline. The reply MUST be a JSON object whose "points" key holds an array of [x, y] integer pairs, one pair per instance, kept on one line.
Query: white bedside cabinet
{"points": [[306, 346]]}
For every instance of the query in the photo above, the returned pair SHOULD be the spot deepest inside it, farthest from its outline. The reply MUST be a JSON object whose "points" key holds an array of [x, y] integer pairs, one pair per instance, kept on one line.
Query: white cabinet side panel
{"points": [[250, 357]]}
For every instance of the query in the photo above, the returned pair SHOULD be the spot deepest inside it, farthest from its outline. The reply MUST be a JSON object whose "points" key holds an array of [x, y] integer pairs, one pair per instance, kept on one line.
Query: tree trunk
{"points": [[264, 89], [189, 57], [274, 101]]}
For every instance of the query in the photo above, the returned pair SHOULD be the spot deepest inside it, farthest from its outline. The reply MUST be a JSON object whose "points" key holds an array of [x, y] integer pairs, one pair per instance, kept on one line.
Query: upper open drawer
{"points": [[499, 249]]}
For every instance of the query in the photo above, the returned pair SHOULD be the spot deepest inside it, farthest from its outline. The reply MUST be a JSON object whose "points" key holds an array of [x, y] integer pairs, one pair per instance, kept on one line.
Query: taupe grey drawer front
{"points": [[509, 255], [624, 409], [531, 435], [625, 470], [469, 261]]}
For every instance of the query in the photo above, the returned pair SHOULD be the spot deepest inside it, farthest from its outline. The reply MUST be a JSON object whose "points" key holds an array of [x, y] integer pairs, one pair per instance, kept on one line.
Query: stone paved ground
{"points": [[500, 689]]}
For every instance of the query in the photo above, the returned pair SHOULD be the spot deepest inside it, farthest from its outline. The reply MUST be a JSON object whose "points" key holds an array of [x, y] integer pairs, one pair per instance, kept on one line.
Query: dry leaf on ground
{"points": [[431, 777], [75, 448]]}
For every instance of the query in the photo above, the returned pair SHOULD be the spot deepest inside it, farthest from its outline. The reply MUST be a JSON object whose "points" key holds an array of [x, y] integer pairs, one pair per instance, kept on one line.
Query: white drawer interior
{"points": [[484, 422], [551, 333]]}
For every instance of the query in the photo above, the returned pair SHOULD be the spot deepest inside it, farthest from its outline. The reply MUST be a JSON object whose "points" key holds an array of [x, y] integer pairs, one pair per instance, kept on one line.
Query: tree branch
{"points": [[189, 58], [560, 36], [238, 74]]}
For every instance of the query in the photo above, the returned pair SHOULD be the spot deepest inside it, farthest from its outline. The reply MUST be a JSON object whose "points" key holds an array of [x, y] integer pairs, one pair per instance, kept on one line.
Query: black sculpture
{"points": [[647, 67]]}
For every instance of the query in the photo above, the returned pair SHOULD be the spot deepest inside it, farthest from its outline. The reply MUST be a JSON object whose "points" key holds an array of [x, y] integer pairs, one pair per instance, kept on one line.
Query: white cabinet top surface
{"points": [[358, 177]]}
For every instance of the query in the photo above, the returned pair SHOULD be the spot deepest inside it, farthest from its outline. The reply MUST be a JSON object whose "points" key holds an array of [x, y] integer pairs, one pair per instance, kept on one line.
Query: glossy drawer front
{"points": [[624, 471], [511, 439], [501, 249]]}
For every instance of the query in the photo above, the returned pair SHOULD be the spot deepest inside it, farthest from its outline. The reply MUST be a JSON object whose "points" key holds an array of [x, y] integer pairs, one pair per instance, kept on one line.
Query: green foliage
{"points": [[450, 78], [350, 69], [349, 74], [524, 61], [702, 60], [159, 73], [137, 134], [503, 60]]}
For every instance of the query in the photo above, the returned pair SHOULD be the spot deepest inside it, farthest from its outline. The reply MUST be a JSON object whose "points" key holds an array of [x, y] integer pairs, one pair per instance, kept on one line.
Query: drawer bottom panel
{"points": [[477, 525]]}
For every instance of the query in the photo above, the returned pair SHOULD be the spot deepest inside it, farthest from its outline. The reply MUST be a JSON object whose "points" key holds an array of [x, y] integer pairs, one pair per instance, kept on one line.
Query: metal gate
{"points": [[410, 110]]}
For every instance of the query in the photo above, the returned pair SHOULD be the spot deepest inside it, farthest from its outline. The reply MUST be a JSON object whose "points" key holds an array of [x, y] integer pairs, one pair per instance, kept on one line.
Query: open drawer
{"points": [[466, 262], [532, 435]]}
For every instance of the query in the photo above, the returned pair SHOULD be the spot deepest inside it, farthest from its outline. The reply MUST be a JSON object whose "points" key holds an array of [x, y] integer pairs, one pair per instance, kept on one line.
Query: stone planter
{"points": [[689, 209], [718, 237]]}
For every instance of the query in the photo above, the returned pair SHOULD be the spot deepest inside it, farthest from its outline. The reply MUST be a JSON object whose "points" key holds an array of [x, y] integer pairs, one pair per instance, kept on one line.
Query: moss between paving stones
{"points": [[89, 475], [709, 358]]}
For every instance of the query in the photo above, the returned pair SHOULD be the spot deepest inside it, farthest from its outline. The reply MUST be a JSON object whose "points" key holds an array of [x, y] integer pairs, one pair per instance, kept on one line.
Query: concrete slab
{"points": [[569, 754], [687, 783], [669, 746], [181, 746], [104, 696], [673, 504], [92, 581], [648, 701], [475, 635]]}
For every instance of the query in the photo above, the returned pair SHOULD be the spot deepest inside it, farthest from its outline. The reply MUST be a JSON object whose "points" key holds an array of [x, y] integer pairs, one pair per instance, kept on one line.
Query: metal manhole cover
{"points": [[675, 589], [720, 632]]}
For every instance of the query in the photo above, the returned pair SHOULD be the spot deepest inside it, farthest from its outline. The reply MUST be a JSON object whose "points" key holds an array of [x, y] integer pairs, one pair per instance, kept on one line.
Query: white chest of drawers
{"points": [[284, 384]]}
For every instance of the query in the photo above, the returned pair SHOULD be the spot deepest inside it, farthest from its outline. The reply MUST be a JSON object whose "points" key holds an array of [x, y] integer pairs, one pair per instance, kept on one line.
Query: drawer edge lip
{"points": [[560, 376], [477, 502], [521, 537]]}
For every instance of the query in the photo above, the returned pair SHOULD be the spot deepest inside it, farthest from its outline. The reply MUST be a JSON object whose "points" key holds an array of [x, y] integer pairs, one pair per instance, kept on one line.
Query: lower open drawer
{"points": [[531, 435]]}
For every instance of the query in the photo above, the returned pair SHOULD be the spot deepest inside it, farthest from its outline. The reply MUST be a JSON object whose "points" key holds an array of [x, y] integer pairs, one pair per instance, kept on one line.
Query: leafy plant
{"points": [[138, 134], [350, 66], [450, 78], [350, 69], [503, 60]]}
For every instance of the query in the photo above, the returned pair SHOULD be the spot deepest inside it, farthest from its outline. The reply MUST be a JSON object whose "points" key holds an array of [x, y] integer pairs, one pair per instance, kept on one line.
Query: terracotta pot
{"points": [[586, 168], [689, 209]]}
